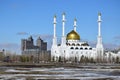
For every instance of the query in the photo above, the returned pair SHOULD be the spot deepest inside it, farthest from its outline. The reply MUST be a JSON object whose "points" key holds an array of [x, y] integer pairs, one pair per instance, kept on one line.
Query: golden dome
{"points": [[73, 36]]}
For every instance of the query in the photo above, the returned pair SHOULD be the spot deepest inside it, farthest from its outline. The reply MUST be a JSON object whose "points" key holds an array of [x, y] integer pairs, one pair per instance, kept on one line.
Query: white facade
{"points": [[72, 49]]}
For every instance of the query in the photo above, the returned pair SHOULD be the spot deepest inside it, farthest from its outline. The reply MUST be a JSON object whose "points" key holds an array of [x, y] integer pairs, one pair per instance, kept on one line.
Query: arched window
{"points": [[78, 44], [81, 48], [86, 48], [68, 44], [76, 48], [59, 44], [90, 48], [73, 44], [71, 48]]}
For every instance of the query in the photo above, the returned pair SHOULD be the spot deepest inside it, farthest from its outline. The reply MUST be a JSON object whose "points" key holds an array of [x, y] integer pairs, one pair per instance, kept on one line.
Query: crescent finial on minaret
{"points": [[54, 21], [75, 19], [63, 13], [55, 16], [99, 14]]}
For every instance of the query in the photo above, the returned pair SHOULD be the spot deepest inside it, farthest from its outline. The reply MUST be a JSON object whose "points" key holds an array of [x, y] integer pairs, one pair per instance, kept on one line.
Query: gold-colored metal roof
{"points": [[73, 35]]}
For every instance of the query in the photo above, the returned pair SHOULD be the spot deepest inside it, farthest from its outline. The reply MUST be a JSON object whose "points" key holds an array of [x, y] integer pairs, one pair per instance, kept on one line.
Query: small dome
{"points": [[73, 36]]}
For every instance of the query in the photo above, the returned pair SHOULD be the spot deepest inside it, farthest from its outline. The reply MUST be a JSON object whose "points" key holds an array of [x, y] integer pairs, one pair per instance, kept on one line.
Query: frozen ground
{"points": [[82, 73]]}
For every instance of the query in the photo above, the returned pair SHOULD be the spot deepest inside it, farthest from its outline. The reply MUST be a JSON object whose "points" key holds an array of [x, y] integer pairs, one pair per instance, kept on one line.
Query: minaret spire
{"points": [[75, 24], [99, 24], [54, 44], [63, 24], [99, 30], [54, 34], [54, 22], [63, 39], [99, 46]]}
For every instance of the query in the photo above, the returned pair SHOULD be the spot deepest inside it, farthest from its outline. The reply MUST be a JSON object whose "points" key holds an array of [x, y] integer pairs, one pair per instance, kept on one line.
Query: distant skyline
{"points": [[21, 18]]}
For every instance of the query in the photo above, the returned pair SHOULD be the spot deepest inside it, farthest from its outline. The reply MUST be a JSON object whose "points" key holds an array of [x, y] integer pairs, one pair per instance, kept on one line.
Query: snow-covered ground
{"points": [[84, 73]]}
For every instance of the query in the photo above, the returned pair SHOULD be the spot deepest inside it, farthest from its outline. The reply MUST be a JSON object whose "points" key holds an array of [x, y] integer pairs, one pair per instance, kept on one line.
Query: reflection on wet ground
{"points": [[82, 73]]}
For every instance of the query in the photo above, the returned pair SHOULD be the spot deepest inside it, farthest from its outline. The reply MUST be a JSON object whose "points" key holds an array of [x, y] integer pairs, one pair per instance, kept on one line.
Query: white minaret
{"points": [[99, 24], [99, 46], [75, 24], [63, 40], [99, 40], [54, 34], [54, 44], [63, 24]]}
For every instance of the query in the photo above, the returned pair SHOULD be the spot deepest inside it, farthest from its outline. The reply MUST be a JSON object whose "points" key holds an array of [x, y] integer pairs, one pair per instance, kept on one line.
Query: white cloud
{"points": [[43, 36], [92, 43], [116, 39], [22, 33], [12, 47], [110, 46]]}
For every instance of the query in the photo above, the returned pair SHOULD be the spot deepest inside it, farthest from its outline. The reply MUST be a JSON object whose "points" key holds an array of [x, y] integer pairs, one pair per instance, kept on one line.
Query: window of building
{"points": [[90, 48], [76, 48], [78, 44], [81, 48], [68, 44], [72, 48], [73, 44], [86, 48], [59, 44]]}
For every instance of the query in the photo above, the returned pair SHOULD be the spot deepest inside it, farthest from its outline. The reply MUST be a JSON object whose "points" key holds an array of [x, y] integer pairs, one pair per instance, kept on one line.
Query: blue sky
{"points": [[22, 18]]}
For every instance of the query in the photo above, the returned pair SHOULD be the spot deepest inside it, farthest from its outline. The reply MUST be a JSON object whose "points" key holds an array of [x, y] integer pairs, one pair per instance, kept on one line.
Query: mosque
{"points": [[73, 49]]}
